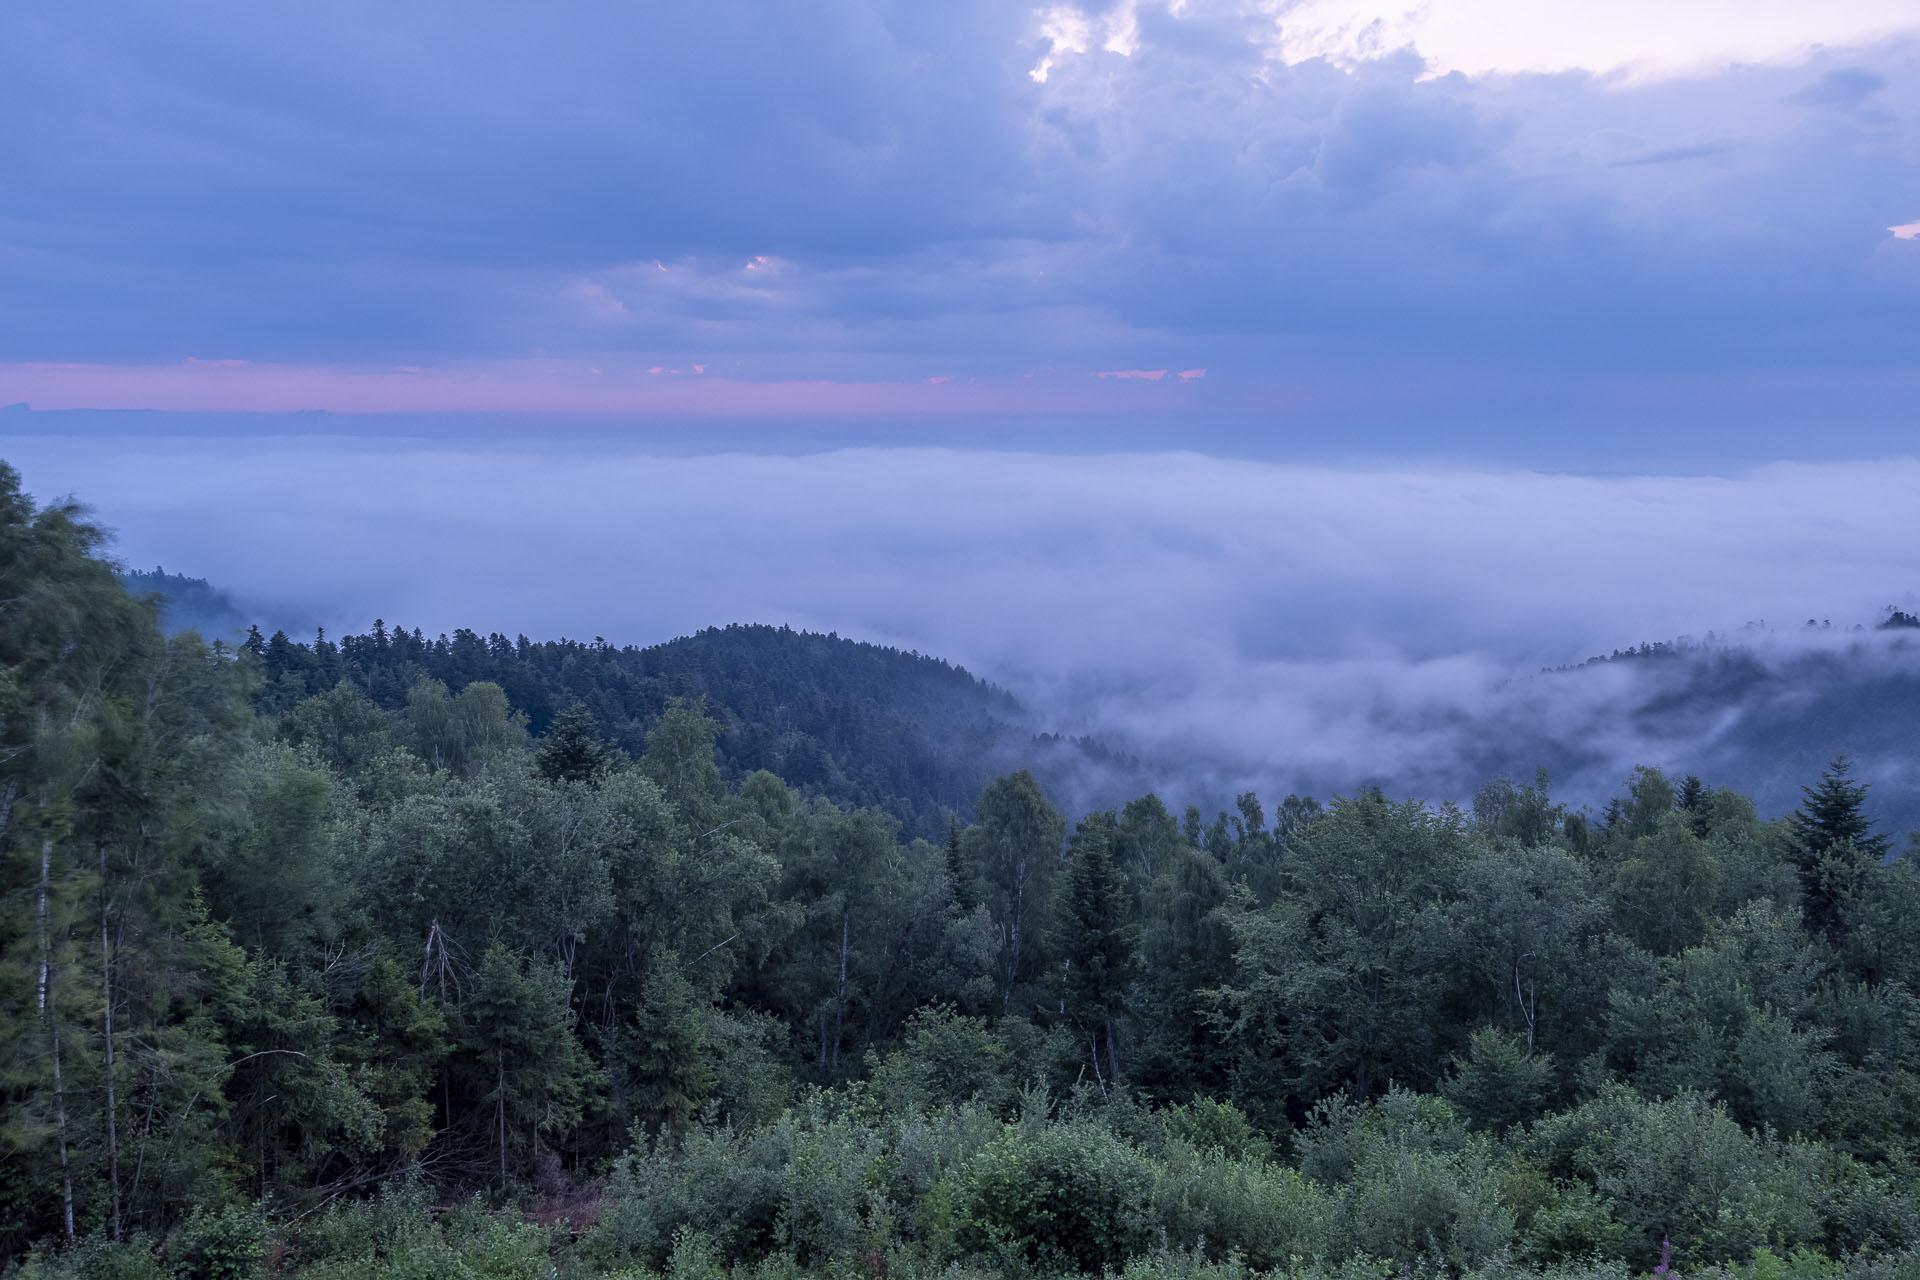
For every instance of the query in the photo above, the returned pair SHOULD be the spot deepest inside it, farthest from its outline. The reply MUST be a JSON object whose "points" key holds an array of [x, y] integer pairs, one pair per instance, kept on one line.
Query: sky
{"points": [[1345, 213], [1264, 379]]}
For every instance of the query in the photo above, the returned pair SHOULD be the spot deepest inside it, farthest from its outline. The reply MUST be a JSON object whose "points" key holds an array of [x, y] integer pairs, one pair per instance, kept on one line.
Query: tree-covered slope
{"points": [[860, 723], [294, 984], [1762, 712], [189, 602], [864, 724]]}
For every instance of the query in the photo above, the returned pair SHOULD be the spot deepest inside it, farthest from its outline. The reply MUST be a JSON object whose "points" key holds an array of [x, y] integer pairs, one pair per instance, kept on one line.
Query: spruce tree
{"points": [[533, 1075], [1831, 814], [1835, 850], [572, 749], [1095, 938], [665, 1051]]}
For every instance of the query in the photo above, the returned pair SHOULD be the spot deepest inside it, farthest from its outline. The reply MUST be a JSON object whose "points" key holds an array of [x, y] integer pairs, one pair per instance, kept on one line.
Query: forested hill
{"points": [[188, 602], [862, 724], [1759, 710], [859, 723], [330, 991]]}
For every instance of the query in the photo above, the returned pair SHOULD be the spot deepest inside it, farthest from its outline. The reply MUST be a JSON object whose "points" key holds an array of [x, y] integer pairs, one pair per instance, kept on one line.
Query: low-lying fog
{"points": [[1266, 625]]}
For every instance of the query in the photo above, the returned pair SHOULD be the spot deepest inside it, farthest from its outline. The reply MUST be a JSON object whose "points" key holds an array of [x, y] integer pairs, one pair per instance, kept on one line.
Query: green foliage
{"points": [[1071, 1197], [1338, 984], [311, 964], [1498, 1083], [1095, 940], [230, 1244], [1013, 857], [1831, 816], [572, 750], [522, 1053], [398, 1236], [462, 733], [1216, 1203], [1682, 1169], [664, 1050]]}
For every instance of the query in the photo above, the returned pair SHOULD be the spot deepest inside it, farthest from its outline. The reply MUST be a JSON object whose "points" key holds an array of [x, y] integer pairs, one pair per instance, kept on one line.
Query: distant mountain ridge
{"points": [[189, 603], [860, 723], [1764, 711], [864, 724]]}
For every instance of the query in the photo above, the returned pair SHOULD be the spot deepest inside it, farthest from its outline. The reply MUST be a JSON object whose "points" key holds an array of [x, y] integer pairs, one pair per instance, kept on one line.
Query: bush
{"points": [[1412, 1184], [396, 1237], [1070, 1196], [1218, 1207], [1574, 1223], [725, 1186], [1683, 1169], [94, 1259], [1409, 1205], [228, 1245], [832, 1172]]}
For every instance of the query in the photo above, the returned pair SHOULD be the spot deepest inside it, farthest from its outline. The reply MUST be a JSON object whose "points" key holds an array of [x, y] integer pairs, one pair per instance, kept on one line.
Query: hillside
{"points": [[860, 723], [1762, 713], [864, 724], [189, 602]]}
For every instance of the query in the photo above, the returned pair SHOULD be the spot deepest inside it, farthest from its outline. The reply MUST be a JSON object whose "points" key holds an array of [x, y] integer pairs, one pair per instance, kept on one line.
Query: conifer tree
{"points": [[1835, 849], [1095, 939], [572, 749], [664, 1050], [1832, 814], [535, 1076]]}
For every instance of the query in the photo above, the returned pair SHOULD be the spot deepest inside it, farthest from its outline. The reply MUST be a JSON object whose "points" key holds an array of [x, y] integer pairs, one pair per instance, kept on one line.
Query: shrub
{"points": [[1682, 1168], [1217, 1207], [1070, 1196], [228, 1245]]}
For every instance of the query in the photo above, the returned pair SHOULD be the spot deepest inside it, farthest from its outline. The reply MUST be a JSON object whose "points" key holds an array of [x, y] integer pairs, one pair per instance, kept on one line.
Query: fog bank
{"points": [[1258, 623]]}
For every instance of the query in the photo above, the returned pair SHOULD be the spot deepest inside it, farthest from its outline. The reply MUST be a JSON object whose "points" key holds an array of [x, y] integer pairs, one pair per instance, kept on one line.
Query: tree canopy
{"points": [[308, 971]]}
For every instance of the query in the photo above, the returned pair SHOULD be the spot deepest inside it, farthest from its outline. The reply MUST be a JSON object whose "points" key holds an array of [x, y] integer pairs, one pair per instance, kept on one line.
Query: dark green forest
{"points": [[859, 723], [393, 959]]}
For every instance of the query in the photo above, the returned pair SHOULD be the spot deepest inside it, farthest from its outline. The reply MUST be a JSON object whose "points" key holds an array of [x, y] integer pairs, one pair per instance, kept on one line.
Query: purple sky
{"points": [[1244, 378], [1474, 207]]}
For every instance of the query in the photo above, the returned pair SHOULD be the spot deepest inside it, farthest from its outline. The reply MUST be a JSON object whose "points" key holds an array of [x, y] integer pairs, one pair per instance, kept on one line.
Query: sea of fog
{"points": [[1262, 623]]}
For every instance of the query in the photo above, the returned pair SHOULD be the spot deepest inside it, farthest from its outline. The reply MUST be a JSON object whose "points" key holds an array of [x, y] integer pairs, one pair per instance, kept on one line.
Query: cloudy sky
{"points": [[1535, 211], [1242, 377]]}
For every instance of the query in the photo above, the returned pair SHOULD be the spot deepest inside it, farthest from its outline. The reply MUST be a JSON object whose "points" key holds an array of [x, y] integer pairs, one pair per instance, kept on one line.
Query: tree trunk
{"points": [[500, 1111], [60, 1114], [106, 1019], [45, 920], [1013, 936], [840, 1002]]}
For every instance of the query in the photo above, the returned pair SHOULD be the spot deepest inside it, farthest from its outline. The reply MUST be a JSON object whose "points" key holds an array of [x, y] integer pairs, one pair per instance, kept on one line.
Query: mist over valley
{"points": [[1196, 626]]}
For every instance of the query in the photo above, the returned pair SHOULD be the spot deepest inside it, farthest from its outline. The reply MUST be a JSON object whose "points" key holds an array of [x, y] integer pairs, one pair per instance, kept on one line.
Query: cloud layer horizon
{"points": [[848, 206]]}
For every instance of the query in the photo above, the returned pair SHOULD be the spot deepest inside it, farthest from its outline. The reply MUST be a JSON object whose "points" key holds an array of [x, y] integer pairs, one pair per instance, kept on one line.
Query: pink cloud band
{"points": [[533, 386]]}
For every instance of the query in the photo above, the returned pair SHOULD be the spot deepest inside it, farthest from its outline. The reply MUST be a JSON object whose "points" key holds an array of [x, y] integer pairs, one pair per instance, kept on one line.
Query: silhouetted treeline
{"points": [[335, 988]]}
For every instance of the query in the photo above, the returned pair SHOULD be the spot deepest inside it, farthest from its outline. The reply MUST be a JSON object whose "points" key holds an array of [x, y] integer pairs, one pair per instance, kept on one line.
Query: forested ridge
{"points": [[303, 974], [860, 723], [863, 724]]}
